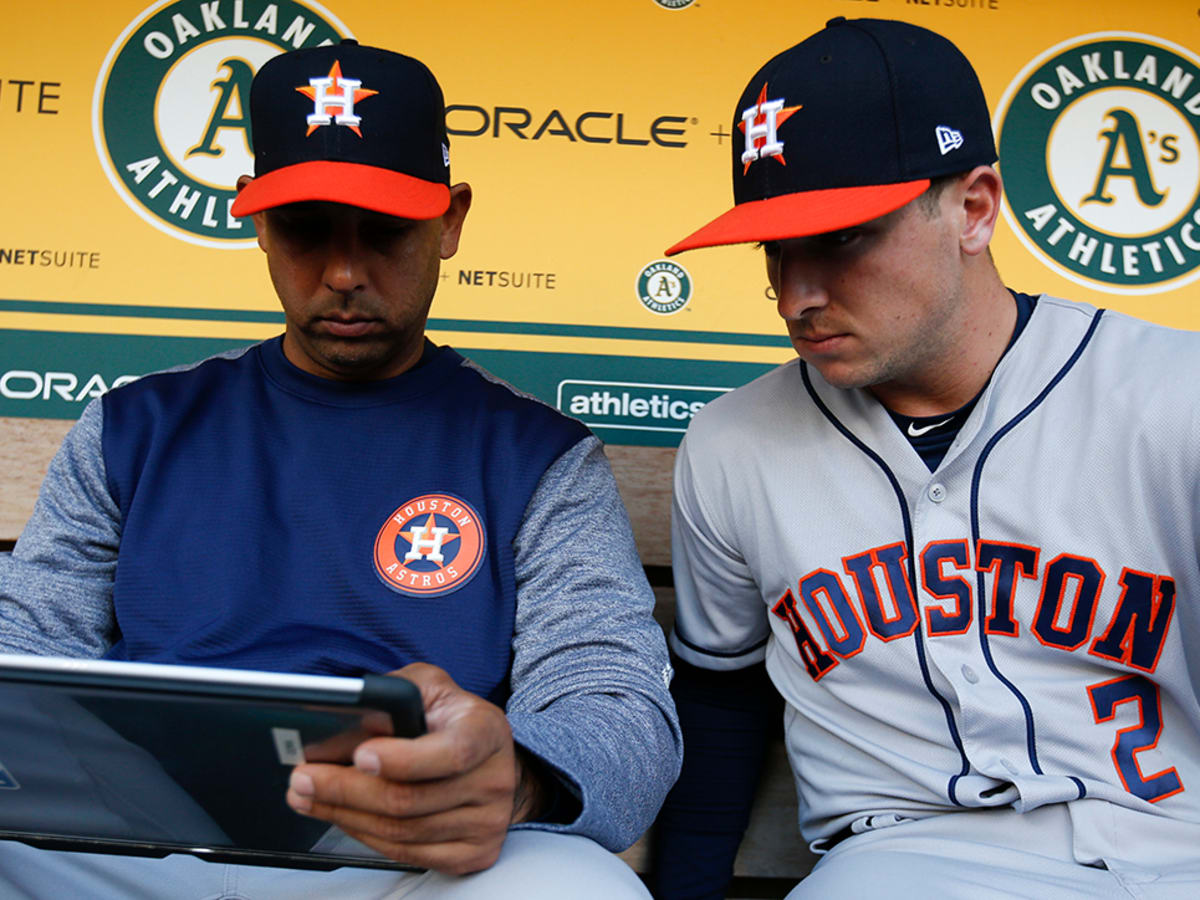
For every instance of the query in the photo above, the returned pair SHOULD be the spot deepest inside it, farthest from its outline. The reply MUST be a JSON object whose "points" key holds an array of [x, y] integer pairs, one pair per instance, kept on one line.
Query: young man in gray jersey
{"points": [[957, 533], [350, 498]]}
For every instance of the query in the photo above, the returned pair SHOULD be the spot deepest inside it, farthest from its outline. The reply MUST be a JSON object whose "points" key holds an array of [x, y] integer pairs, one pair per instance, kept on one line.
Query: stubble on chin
{"points": [[850, 375]]}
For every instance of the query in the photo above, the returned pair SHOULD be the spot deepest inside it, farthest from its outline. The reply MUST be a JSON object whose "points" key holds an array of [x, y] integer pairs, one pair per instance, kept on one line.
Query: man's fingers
{"points": [[446, 704], [443, 800], [455, 841], [344, 787], [435, 684], [464, 731], [469, 824], [466, 745], [454, 858], [316, 789]]}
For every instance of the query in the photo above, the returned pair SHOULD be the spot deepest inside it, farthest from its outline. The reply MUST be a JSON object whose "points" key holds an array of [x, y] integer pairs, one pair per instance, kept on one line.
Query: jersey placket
{"points": [[989, 718]]}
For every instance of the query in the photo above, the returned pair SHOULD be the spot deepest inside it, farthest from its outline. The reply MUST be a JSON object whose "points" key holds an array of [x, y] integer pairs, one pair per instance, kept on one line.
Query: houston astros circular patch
{"points": [[431, 545]]}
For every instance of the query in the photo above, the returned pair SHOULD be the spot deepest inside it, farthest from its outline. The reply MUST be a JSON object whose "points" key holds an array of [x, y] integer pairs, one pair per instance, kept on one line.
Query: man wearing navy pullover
{"points": [[350, 498]]}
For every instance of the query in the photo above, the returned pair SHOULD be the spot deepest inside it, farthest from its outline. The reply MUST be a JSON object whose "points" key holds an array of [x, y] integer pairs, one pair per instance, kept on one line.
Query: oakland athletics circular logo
{"points": [[171, 116], [1100, 152], [674, 4], [431, 545], [664, 287]]}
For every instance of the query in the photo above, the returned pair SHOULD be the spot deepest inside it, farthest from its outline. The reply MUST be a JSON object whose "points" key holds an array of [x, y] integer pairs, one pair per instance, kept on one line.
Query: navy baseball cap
{"points": [[348, 124], [847, 126]]}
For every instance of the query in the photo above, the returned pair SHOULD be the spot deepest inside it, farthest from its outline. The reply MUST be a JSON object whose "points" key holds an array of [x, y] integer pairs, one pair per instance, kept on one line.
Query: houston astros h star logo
{"points": [[430, 546], [423, 546], [334, 94], [759, 124]]}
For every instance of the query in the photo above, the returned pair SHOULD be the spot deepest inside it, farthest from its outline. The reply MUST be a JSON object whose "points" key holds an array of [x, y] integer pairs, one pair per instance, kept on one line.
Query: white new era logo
{"points": [[948, 139]]}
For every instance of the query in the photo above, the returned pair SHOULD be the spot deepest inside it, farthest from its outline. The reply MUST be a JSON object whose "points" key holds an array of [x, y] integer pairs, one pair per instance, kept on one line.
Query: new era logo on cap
{"points": [[348, 124], [948, 139], [867, 139]]}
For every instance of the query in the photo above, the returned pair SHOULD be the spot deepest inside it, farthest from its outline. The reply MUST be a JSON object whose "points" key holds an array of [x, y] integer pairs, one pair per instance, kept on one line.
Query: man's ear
{"points": [[981, 192], [260, 221], [453, 217]]}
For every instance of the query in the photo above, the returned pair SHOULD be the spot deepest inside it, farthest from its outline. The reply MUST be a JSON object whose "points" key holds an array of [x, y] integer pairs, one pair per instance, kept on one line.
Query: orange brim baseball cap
{"points": [[802, 214], [847, 126], [348, 124]]}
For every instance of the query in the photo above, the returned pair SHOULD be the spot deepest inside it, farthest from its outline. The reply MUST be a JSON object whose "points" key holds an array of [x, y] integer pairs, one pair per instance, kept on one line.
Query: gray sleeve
{"points": [[720, 617], [56, 585], [590, 672]]}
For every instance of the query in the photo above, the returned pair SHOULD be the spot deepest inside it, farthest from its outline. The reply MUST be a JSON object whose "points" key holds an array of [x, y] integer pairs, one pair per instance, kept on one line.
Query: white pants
{"points": [[532, 864], [1055, 852]]}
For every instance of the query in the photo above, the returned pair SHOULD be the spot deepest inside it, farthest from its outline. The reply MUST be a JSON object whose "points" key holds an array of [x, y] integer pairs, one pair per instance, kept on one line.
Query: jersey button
{"points": [[970, 674], [937, 493]]}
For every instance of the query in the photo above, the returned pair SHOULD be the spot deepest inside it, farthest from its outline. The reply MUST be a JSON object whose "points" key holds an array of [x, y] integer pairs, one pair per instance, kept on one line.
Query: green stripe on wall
{"points": [[51, 375], [459, 325]]}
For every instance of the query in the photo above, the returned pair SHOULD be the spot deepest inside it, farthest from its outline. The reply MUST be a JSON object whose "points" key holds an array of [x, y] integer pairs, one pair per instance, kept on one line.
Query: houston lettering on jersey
{"points": [[877, 598], [874, 596]]}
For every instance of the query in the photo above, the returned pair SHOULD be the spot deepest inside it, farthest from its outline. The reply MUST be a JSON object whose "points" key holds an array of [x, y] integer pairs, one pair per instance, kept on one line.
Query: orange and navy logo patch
{"points": [[759, 124], [431, 545], [335, 94]]}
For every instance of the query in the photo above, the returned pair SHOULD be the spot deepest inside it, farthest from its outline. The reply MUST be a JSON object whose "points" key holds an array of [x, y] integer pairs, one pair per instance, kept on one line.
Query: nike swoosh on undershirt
{"points": [[917, 432]]}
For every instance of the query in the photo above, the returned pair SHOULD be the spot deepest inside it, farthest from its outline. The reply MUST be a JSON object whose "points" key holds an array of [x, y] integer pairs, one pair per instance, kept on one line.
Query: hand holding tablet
{"points": [[147, 759], [443, 801]]}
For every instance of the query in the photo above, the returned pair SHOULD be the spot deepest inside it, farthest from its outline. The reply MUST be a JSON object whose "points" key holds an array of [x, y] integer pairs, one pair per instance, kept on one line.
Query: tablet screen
{"points": [[136, 770]]}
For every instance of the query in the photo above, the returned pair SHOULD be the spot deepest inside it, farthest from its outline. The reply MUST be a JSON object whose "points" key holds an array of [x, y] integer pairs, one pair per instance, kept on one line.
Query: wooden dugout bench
{"points": [[772, 857]]}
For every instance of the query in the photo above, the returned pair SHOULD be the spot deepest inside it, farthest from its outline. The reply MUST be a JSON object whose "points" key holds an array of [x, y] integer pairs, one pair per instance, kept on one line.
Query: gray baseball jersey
{"points": [[1050, 649]]}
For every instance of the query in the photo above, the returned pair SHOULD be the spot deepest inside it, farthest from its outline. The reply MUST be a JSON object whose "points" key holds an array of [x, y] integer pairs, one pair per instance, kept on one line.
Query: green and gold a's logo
{"points": [[170, 113], [1099, 142]]}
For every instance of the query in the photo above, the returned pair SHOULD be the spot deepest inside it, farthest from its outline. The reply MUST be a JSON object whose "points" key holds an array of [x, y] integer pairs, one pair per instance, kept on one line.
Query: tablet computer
{"points": [[148, 759]]}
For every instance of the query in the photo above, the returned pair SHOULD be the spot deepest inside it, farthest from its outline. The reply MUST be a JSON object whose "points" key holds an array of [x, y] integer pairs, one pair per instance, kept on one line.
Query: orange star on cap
{"points": [[780, 117], [335, 73]]}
